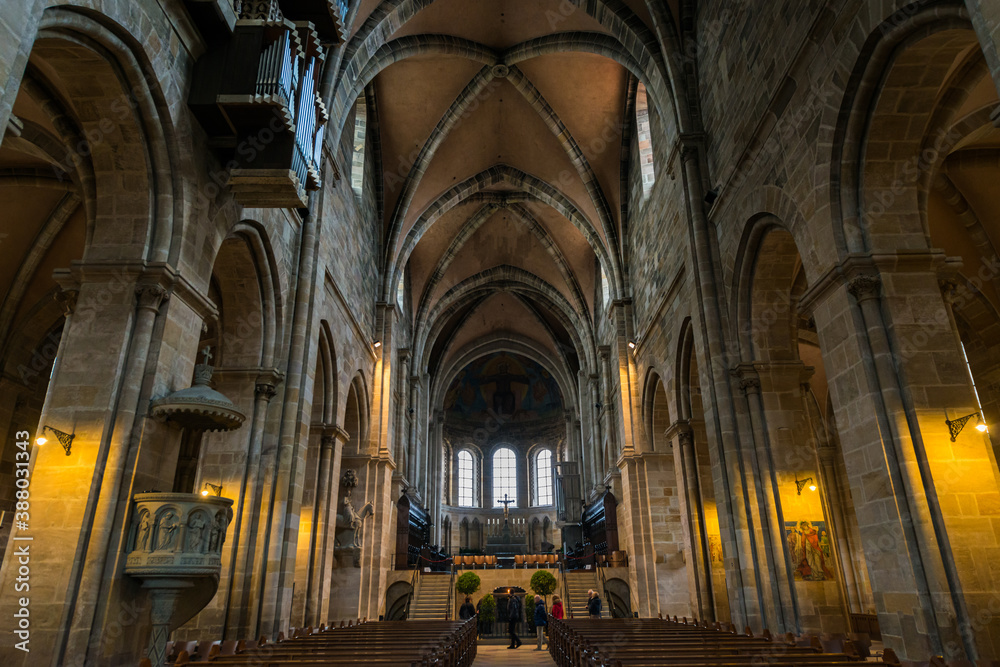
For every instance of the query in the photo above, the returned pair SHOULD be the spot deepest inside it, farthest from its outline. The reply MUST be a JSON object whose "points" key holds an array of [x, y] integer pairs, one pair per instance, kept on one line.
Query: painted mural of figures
{"points": [[167, 532], [142, 537], [808, 552], [505, 401]]}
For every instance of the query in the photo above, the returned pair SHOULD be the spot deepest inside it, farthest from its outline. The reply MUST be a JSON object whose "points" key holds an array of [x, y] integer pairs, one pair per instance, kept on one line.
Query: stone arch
{"points": [[98, 59], [397, 600], [656, 409], [356, 415], [502, 342], [470, 228], [942, 30], [511, 279], [765, 301], [529, 188], [636, 41], [327, 375]]}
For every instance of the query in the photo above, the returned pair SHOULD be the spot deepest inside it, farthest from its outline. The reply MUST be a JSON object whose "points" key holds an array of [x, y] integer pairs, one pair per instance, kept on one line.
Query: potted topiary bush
{"points": [[468, 583], [487, 613], [543, 583]]}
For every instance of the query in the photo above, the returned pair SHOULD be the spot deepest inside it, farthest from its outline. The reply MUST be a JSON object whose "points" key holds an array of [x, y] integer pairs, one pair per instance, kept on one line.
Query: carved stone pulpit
{"points": [[175, 548]]}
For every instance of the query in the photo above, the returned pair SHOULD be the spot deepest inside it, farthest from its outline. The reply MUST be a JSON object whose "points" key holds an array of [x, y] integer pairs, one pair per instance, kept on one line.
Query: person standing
{"points": [[557, 608], [594, 605], [541, 620], [466, 611], [513, 616]]}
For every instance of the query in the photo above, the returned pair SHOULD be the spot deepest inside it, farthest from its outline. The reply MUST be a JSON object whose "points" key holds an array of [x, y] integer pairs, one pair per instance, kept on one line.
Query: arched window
{"points": [[543, 477], [504, 477], [466, 479], [360, 132], [646, 169]]}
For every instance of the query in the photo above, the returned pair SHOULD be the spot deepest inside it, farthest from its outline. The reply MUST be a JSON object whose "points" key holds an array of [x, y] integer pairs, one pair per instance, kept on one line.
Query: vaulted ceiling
{"points": [[500, 130]]}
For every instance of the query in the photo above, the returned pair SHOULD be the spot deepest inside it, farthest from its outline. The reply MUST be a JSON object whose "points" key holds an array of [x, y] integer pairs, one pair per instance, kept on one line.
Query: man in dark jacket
{"points": [[466, 611], [541, 620], [594, 605], [513, 616]]}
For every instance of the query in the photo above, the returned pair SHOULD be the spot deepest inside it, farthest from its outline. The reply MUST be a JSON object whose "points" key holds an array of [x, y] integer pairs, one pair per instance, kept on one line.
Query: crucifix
{"points": [[207, 351], [506, 510]]}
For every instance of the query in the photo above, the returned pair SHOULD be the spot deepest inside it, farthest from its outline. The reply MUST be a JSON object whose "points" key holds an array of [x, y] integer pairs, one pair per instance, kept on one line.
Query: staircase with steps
{"points": [[431, 597], [578, 582]]}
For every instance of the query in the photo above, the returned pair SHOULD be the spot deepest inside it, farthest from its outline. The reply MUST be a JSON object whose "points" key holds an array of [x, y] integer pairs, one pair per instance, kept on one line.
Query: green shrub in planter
{"points": [[487, 609], [543, 583], [468, 583]]}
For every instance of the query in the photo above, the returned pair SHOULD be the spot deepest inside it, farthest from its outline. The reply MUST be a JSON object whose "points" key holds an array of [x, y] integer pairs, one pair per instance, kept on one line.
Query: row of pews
{"points": [[656, 642], [396, 643]]}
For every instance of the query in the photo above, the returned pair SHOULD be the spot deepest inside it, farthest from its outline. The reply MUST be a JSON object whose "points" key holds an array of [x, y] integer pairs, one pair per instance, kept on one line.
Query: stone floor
{"points": [[498, 655]]}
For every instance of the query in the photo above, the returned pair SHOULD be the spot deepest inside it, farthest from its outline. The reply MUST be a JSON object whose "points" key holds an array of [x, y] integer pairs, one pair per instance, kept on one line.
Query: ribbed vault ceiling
{"points": [[500, 130]]}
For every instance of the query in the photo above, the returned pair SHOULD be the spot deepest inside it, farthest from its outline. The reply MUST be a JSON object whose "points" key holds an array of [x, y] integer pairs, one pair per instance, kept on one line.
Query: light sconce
{"points": [[65, 439], [631, 344], [955, 426], [801, 483], [377, 344], [213, 488]]}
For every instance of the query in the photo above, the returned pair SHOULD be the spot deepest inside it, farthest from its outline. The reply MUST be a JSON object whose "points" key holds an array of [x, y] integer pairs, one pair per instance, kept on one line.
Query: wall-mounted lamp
{"points": [[213, 488], [377, 344], [955, 426], [801, 483], [65, 439], [631, 344], [598, 406]]}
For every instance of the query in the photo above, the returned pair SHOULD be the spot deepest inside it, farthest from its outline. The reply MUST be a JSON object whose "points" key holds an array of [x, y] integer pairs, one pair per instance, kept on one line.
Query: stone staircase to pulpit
{"points": [[431, 597]]}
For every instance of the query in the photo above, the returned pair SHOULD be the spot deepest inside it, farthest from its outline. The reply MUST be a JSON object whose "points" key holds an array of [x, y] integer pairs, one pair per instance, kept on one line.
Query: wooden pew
{"points": [[651, 642], [382, 644]]}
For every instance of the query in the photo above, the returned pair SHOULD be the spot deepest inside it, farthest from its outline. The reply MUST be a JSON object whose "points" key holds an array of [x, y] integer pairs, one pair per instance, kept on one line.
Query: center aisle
{"points": [[498, 655]]}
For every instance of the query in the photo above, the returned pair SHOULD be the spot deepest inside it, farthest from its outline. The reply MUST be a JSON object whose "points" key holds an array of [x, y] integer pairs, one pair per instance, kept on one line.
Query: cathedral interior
{"points": [[303, 300]]}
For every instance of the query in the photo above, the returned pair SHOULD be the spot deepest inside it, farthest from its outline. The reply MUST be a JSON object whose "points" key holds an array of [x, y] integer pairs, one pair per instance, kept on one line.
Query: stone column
{"points": [[321, 533], [698, 565], [415, 414], [830, 488], [770, 539], [608, 447], [291, 446], [241, 614], [905, 567], [95, 587], [592, 473], [744, 604]]}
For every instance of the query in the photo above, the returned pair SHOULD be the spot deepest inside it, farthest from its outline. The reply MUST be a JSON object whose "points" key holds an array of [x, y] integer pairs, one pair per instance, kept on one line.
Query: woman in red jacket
{"points": [[557, 607]]}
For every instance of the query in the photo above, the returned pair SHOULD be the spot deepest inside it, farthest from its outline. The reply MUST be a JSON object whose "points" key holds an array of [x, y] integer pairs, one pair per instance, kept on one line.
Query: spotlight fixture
{"points": [[955, 426], [213, 488], [801, 483], [711, 196], [631, 344], [65, 439]]}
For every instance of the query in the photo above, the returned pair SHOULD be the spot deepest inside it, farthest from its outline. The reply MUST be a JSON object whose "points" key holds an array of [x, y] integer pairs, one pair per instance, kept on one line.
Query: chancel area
{"points": [[318, 316]]}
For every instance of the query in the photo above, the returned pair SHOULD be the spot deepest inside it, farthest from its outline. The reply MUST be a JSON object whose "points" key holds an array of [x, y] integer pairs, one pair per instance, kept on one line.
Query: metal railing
{"points": [[413, 593], [451, 595]]}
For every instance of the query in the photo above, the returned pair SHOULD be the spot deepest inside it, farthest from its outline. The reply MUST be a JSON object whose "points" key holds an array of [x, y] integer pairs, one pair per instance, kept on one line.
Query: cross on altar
{"points": [[506, 511]]}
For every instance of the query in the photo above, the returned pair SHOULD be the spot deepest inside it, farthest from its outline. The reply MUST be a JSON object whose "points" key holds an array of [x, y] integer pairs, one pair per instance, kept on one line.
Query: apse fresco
{"points": [[504, 385], [810, 549]]}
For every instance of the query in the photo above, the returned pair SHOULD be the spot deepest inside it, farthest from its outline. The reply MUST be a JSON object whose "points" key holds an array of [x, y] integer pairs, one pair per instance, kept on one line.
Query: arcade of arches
{"points": [[736, 261]]}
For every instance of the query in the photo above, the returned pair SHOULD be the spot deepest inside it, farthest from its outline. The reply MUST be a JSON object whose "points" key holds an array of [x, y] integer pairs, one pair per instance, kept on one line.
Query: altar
{"points": [[508, 538]]}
